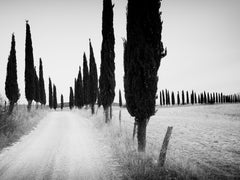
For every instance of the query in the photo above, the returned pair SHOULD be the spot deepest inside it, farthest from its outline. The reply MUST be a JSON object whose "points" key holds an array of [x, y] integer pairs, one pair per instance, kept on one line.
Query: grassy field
{"points": [[19, 123], [204, 144]]}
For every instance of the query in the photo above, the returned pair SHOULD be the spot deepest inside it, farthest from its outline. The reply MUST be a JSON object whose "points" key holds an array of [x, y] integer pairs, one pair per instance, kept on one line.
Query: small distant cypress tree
{"points": [[195, 94], [11, 84], [29, 68], [163, 97], [187, 97], [173, 99], [71, 98], [183, 98], [160, 98], [192, 97], [85, 81], [37, 92], [93, 79], [42, 92], [166, 96], [204, 98], [50, 94], [62, 102], [80, 87], [178, 98], [107, 68], [55, 97], [120, 98], [75, 93], [208, 98]]}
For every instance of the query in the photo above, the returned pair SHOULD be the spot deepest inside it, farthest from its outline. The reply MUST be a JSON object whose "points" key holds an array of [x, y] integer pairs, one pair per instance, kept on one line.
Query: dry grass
{"points": [[19, 123]]}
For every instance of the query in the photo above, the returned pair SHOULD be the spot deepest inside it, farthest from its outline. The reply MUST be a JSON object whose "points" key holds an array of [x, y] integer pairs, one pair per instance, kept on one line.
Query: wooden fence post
{"points": [[163, 152]]}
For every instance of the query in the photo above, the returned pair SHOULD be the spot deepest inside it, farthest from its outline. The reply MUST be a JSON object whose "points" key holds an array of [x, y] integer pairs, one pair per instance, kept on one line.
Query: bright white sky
{"points": [[202, 38]]}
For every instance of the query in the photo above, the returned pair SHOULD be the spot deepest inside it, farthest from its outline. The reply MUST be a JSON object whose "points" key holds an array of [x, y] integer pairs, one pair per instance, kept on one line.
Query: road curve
{"points": [[64, 145]]}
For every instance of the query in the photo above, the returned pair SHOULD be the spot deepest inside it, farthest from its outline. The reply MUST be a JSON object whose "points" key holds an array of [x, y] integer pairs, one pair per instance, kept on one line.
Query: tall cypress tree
{"points": [[62, 102], [29, 68], [36, 92], [71, 98], [54, 97], [42, 92], [50, 94], [11, 84], [120, 98], [85, 81], [107, 76], [143, 53], [93, 79]]}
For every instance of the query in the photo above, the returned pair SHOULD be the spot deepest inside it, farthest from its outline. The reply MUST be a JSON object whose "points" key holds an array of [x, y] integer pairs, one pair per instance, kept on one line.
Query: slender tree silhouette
{"points": [[55, 105], [93, 84], [85, 81], [71, 98], [36, 92], [107, 76], [120, 98], [62, 102], [42, 92], [11, 84], [29, 68], [50, 96]]}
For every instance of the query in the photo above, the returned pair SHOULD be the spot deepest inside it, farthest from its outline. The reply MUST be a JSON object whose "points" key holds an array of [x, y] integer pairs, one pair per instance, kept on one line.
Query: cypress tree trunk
{"points": [[11, 106], [107, 117], [141, 134]]}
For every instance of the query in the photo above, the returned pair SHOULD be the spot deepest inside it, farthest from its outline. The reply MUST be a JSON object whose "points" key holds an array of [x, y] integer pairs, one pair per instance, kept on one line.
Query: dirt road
{"points": [[64, 145]]}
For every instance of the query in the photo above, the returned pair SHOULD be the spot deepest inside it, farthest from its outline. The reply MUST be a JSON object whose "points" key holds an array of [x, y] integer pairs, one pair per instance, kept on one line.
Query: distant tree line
{"points": [[165, 99]]}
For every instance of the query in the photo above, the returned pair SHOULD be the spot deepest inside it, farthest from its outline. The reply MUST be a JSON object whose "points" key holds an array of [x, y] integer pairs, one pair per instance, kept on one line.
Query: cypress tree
{"points": [[143, 53], [204, 98], [36, 92], [173, 99], [42, 92], [80, 89], [71, 98], [11, 84], [107, 76], [166, 96], [85, 81], [187, 97], [50, 97], [192, 98], [62, 102], [163, 97], [93, 84], [29, 68], [120, 98], [75, 93], [195, 94], [54, 97], [160, 98], [183, 98], [178, 98]]}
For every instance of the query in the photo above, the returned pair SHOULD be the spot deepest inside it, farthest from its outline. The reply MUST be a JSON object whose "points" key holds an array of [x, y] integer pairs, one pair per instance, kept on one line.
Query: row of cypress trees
{"points": [[34, 84], [86, 87], [194, 98]]}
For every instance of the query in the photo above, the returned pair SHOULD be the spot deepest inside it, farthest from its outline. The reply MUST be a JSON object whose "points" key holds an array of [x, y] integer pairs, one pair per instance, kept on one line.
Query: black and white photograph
{"points": [[119, 89]]}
